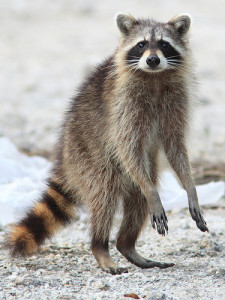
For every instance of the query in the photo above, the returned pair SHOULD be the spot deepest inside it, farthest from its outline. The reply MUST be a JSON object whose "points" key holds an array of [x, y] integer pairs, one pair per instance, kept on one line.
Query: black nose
{"points": [[153, 61]]}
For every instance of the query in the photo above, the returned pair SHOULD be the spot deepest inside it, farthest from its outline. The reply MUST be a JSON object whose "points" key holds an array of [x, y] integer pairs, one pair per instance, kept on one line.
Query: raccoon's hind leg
{"points": [[100, 250], [102, 212], [52, 211], [135, 213]]}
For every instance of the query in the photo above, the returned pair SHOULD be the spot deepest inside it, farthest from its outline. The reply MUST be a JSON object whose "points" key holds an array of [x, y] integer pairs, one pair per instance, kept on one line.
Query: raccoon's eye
{"points": [[165, 45], [141, 45]]}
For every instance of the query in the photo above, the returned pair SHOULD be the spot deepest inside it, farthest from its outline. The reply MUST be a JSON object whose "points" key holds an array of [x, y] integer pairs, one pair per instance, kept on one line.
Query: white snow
{"points": [[22, 178], [174, 196], [21, 181]]}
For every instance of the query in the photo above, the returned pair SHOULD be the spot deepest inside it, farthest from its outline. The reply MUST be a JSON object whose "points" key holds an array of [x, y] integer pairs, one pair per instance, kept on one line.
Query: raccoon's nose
{"points": [[153, 60]]}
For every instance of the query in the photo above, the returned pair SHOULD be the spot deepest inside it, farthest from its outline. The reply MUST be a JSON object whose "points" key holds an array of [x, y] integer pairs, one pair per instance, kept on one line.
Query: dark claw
{"points": [[112, 271], [158, 264], [116, 271], [202, 220], [160, 223], [166, 265], [153, 221], [159, 227], [164, 219], [164, 214], [123, 270]]}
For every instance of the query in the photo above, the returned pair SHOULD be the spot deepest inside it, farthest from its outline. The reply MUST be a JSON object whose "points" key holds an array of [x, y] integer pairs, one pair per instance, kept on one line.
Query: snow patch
{"points": [[22, 179]]}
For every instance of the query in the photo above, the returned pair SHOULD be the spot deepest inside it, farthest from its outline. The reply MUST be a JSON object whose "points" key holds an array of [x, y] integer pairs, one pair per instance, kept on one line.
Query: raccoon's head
{"points": [[151, 46]]}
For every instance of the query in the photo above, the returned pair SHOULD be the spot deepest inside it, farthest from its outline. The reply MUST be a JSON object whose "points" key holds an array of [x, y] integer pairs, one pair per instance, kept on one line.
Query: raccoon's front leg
{"points": [[136, 163], [157, 214], [156, 209], [177, 155]]}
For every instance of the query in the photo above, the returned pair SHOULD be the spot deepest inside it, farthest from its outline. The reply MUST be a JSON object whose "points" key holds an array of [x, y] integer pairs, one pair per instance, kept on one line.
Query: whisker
{"points": [[135, 57], [173, 56], [173, 59], [176, 67], [121, 68], [128, 60]]}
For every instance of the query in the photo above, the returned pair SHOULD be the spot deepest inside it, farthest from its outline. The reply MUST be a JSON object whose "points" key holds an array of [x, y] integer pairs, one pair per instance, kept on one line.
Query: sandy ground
{"points": [[46, 48], [66, 269]]}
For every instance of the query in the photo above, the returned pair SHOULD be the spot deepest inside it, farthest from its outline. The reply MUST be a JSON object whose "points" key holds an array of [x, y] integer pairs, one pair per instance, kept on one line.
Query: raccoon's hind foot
{"points": [[101, 253], [132, 256]]}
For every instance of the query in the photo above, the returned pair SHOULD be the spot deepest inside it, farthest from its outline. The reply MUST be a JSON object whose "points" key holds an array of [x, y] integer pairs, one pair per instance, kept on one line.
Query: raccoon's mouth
{"points": [[154, 69]]}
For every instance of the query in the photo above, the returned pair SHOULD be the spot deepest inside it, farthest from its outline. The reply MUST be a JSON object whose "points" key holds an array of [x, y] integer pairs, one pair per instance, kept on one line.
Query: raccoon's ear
{"points": [[125, 23], [181, 23]]}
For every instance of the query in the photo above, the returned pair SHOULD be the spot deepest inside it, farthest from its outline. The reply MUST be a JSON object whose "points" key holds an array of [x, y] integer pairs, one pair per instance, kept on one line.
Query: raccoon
{"points": [[134, 106]]}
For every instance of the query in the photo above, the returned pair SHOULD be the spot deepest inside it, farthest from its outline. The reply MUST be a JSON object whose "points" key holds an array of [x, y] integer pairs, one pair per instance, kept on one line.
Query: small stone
{"points": [[22, 269], [98, 284], [212, 253], [15, 269], [158, 296], [106, 287], [217, 247], [12, 277], [204, 244], [19, 280], [66, 281], [213, 233]]}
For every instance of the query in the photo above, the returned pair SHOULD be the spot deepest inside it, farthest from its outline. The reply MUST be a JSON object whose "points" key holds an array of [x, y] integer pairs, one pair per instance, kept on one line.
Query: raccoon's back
{"points": [[86, 123], [88, 108]]}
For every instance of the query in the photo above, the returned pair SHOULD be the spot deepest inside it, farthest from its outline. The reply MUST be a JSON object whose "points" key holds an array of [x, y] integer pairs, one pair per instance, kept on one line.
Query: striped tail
{"points": [[54, 210]]}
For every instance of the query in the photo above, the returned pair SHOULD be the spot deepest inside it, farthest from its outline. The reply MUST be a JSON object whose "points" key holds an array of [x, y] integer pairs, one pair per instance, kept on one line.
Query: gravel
{"points": [[65, 268]]}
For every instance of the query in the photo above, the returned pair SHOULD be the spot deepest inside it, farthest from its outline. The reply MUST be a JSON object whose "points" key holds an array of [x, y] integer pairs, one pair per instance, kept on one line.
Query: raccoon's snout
{"points": [[153, 61]]}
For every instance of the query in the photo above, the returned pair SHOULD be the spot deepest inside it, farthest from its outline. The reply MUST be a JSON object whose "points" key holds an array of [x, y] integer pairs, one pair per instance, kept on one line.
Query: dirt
{"points": [[65, 268]]}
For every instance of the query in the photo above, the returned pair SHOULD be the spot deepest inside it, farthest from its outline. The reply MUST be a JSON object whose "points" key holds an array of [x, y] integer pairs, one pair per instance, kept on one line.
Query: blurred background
{"points": [[47, 47]]}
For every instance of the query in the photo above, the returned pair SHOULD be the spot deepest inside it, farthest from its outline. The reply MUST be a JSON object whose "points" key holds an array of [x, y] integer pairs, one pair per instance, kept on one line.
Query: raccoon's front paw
{"points": [[198, 218], [159, 220]]}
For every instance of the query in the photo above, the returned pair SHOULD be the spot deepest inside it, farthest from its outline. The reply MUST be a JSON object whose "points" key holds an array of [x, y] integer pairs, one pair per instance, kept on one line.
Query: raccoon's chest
{"points": [[149, 93]]}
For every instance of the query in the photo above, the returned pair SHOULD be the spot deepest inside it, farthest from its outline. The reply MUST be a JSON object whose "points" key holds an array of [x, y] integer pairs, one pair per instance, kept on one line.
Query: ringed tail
{"points": [[54, 210]]}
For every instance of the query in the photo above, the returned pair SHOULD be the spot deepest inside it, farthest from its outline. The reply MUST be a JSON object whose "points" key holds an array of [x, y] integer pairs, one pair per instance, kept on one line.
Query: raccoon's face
{"points": [[151, 46]]}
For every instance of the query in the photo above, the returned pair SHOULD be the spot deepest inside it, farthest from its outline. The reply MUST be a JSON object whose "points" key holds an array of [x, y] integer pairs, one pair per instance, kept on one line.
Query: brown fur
{"points": [[42, 210], [114, 131], [22, 241]]}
